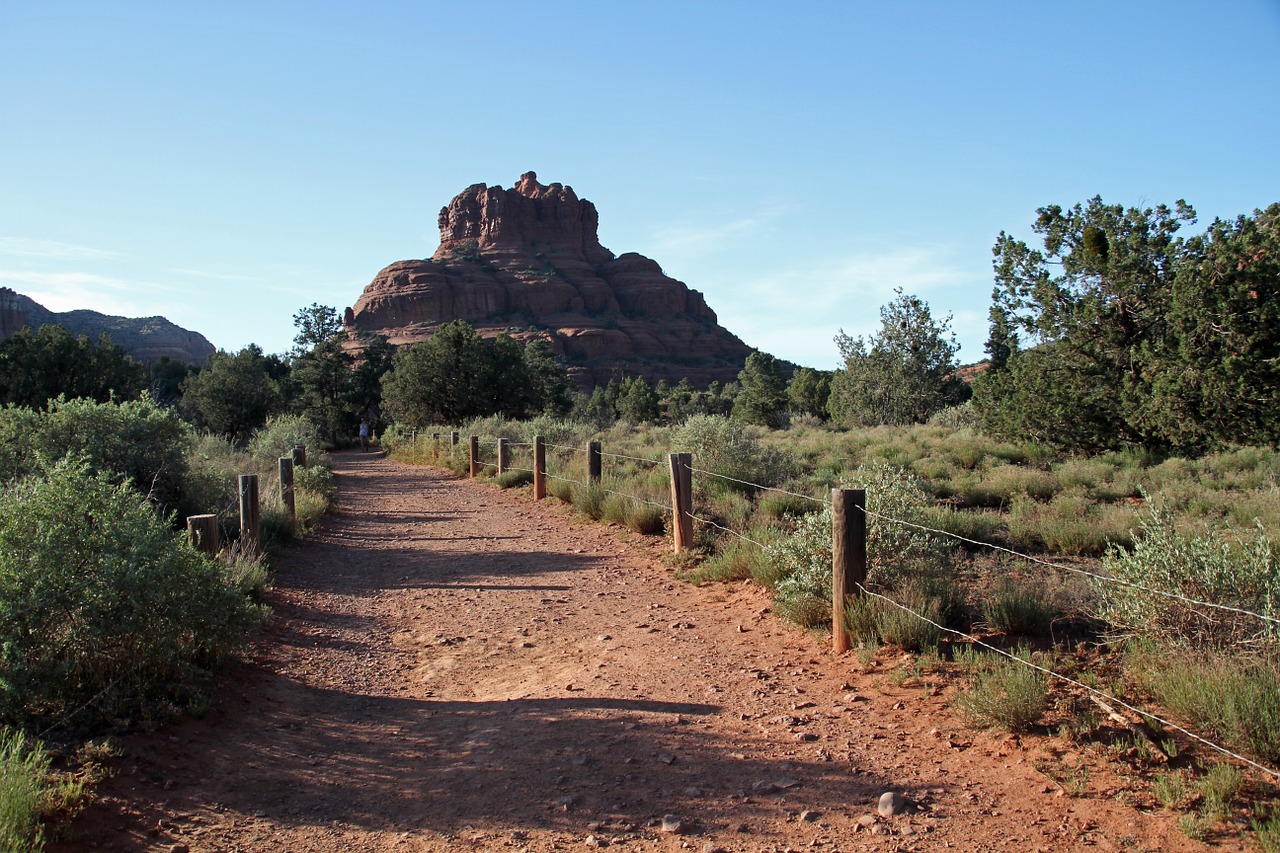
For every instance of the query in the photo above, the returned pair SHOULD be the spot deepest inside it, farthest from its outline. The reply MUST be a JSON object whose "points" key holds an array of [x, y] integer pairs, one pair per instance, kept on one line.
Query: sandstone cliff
{"points": [[147, 339], [527, 260]]}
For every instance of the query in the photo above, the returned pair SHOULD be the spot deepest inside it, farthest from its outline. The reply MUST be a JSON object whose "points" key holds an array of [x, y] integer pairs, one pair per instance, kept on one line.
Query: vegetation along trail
{"points": [[451, 666]]}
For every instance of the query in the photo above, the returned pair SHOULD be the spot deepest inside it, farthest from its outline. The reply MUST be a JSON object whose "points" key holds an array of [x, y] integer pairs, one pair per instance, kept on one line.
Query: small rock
{"points": [[891, 803], [867, 820], [592, 841], [692, 792], [604, 638], [667, 758], [567, 802], [764, 787], [672, 824], [710, 847], [787, 782], [179, 848], [808, 816]]}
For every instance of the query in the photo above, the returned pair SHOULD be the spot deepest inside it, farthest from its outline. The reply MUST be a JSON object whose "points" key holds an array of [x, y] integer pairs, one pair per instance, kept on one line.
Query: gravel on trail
{"points": [[454, 667]]}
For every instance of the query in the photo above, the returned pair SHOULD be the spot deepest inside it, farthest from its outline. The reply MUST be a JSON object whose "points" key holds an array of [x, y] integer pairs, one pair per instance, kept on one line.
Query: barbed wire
{"points": [[1075, 569], [1146, 714], [711, 523], [632, 458], [66, 719], [757, 485], [638, 499], [566, 447]]}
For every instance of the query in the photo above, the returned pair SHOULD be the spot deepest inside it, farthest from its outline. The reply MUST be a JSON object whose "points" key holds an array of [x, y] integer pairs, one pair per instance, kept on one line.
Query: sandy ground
{"points": [[451, 666]]}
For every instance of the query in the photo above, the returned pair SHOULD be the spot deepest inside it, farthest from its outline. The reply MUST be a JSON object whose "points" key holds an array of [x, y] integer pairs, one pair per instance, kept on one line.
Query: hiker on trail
{"points": [[364, 436]]}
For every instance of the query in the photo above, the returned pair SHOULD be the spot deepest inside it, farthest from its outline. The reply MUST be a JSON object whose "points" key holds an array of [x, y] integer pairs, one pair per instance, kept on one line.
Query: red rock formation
{"points": [[529, 258]]}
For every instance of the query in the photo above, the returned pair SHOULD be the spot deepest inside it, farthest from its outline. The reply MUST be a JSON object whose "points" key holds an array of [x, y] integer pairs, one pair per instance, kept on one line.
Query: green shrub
{"points": [[102, 603], [1008, 694], [138, 441], [802, 559], [1069, 524], [731, 449], [1233, 698], [1221, 567], [902, 627], [24, 773], [512, 479], [1019, 608], [280, 435], [1003, 482], [1219, 788], [778, 506], [589, 500]]}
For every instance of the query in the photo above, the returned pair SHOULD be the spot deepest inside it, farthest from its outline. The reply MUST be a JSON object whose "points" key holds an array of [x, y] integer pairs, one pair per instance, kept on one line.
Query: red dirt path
{"points": [[453, 667]]}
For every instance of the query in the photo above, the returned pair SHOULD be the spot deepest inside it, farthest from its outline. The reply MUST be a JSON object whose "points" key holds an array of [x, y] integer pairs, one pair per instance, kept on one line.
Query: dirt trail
{"points": [[455, 667]]}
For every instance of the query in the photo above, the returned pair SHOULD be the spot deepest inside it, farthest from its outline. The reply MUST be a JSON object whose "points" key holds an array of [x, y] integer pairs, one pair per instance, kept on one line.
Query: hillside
{"points": [[147, 339]]}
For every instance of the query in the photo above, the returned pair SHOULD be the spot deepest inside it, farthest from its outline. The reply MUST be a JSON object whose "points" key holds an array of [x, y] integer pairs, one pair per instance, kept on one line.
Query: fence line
{"points": [[955, 536], [711, 523], [1076, 570]]}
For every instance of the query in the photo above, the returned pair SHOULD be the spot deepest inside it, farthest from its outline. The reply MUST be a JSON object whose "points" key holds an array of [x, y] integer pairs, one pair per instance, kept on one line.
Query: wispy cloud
{"points": [[28, 247], [68, 291], [694, 237], [795, 313]]}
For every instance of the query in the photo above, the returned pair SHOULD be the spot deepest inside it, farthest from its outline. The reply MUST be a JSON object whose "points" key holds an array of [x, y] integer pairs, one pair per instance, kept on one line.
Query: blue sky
{"points": [[225, 164]]}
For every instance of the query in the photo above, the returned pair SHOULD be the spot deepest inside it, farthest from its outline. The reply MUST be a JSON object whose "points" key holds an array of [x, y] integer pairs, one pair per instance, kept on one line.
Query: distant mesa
{"points": [[147, 339], [528, 261]]}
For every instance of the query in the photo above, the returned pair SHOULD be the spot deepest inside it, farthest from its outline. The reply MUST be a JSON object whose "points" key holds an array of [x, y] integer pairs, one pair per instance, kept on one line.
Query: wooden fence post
{"points": [[250, 513], [453, 438], [504, 455], [848, 557], [203, 530], [286, 485], [475, 456], [594, 466], [539, 467], [299, 456], [682, 500]]}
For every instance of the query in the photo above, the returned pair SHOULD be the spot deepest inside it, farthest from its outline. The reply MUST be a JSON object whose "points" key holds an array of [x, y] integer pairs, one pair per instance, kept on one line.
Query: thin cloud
{"points": [[51, 249]]}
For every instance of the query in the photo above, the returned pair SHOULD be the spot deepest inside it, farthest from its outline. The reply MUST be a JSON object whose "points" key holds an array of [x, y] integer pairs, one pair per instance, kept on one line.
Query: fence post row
{"points": [[286, 485], [594, 466], [474, 467], [682, 500], [203, 530], [250, 522], [539, 468], [504, 455], [848, 557]]}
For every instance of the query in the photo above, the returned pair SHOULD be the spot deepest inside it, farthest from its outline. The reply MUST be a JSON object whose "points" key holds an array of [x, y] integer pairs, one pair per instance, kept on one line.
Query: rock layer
{"points": [[528, 260], [147, 339]]}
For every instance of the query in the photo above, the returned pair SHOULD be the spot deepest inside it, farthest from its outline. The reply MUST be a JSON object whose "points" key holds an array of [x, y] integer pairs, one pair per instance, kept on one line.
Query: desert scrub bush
{"points": [[1223, 567], [280, 435], [977, 525], [778, 506], [730, 448], [1006, 694], [961, 416], [102, 603], [901, 625], [137, 441], [1233, 698], [24, 775], [1003, 482], [512, 479], [802, 559], [1019, 607], [1070, 523]]}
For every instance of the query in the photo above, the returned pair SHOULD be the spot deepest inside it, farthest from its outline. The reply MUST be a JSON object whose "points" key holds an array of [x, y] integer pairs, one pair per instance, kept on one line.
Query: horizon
{"points": [[225, 167]]}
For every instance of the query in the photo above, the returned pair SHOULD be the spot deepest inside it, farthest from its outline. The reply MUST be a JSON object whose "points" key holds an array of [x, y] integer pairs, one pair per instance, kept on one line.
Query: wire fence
{"points": [[968, 637]]}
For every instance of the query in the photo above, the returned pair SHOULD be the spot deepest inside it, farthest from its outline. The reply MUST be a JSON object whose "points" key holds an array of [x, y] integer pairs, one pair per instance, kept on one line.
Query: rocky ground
{"points": [[453, 667]]}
